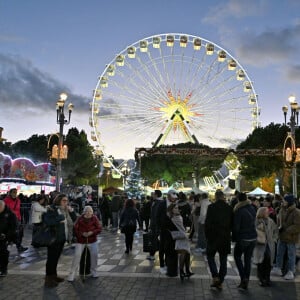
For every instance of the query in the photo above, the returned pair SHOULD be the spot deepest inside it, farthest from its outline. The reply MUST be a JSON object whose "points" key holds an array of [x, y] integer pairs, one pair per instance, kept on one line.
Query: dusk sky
{"points": [[49, 47]]}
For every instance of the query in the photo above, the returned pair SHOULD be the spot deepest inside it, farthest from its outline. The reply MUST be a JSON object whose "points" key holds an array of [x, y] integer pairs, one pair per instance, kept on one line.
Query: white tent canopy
{"points": [[258, 192]]}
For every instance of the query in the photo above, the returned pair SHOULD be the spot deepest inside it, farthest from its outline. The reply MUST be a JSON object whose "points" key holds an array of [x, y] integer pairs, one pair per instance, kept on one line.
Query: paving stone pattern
{"points": [[123, 276]]}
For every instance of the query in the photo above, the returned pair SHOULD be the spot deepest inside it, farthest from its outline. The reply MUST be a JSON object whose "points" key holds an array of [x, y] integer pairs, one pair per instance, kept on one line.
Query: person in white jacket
{"points": [[201, 241], [37, 209]]}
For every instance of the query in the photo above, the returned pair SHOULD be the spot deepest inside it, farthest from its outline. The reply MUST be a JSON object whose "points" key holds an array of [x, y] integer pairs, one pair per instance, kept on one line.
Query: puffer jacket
{"points": [[14, 205], [244, 222], [85, 225], [289, 223]]}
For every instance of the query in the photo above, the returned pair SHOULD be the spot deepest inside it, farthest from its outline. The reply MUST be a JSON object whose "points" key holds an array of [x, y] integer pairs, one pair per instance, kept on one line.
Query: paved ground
{"points": [[129, 277]]}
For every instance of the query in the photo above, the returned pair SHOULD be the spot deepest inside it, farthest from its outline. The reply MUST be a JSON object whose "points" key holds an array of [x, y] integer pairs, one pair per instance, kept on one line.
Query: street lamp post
{"points": [[61, 120], [290, 153], [125, 170]]}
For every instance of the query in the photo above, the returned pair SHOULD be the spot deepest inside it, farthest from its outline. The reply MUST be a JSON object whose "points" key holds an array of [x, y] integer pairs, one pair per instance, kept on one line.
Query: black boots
{"points": [[216, 283]]}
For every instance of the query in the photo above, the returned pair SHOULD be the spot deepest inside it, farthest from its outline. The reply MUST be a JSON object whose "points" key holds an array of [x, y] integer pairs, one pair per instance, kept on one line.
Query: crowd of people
{"points": [[262, 231]]}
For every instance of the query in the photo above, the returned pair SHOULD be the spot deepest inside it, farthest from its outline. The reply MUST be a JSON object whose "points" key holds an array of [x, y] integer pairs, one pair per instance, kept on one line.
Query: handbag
{"points": [[178, 235], [261, 237], [150, 242], [44, 236], [147, 245]]}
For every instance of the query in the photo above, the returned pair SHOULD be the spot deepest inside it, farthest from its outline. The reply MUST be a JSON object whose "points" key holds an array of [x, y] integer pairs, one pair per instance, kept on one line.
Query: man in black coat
{"points": [[244, 234], [155, 231], [218, 227], [165, 226], [8, 223]]}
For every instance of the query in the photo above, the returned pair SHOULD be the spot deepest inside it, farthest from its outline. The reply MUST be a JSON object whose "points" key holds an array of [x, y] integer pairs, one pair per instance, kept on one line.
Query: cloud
{"points": [[236, 9], [24, 86], [270, 47], [293, 73], [11, 38]]}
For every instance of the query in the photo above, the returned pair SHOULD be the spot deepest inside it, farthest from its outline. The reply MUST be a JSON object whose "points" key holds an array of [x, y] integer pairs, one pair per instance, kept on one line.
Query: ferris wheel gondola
{"points": [[168, 89]]}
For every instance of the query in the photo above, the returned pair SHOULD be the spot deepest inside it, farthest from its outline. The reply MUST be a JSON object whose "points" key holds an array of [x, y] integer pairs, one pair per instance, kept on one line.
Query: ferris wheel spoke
{"points": [[146, 86], [211, 98], [158, 84], [134, 98], [158, 72], [165, 68], [134, 89], [170, 85]]}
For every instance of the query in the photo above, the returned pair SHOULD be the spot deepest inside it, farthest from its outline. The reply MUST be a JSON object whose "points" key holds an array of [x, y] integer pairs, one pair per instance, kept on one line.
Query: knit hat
{"points": [[289, 198]]}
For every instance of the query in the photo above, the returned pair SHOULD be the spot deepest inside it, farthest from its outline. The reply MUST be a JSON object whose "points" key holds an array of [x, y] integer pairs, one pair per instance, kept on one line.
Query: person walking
{"points": [[264, 251], [104, 210], [61, 216], [116, 206], [201, 240], [128, 219], [86, 229], [289, 230], [38, 207], [195, 212], [218, 227], [182, 244], [154, 232], [244, 234], [145, 213], [13, 202], [8, 223]]}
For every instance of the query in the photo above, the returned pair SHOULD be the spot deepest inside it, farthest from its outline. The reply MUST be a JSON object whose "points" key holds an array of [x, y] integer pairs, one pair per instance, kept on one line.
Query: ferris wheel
{"points": [[168, 89]]}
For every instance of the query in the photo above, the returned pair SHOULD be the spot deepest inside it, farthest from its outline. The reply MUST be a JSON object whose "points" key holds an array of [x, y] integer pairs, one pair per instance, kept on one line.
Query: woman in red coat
{"points": [[86, 228]]}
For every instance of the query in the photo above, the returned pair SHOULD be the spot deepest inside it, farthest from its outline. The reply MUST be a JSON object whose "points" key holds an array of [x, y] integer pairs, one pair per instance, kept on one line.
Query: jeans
{"points": [[282, 247], [19, 234], [213, 266], [115, 219], [246, 248]]}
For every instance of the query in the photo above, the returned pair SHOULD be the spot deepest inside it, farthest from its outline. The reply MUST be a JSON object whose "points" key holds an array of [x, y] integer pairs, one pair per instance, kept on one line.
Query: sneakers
{"points": [[95, 275], [3, 273], [71, 277], [289, 276], [163, 270], [276, 271], [150, 257], [216, 283]]}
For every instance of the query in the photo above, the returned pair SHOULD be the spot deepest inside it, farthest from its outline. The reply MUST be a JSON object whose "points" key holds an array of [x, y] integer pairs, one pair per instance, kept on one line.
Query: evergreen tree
{"points": [[134, 185]]}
